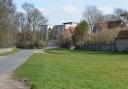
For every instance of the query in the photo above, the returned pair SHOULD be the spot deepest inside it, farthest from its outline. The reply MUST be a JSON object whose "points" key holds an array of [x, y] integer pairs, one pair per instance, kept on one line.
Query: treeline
{"points": [[85, 33], [8, 28], [21, 29]]}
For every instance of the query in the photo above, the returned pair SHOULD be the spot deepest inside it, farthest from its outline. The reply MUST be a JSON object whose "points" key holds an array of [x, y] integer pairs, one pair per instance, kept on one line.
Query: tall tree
{"points": [[81, 32], [119, 11], [30, 23], [28, 8], [7, 26], [93, 15]]}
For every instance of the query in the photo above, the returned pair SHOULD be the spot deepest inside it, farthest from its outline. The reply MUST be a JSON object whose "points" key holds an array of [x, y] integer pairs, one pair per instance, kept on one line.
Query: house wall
{"points": [[122, 44], [69, 29], [103, 26], [111, 25], [69, 32], [57, 31], [67, 26], [53, 43]]}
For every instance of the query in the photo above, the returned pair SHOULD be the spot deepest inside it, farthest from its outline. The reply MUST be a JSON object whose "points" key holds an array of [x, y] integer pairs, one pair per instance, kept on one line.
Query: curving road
{"points": [[10, 63]]}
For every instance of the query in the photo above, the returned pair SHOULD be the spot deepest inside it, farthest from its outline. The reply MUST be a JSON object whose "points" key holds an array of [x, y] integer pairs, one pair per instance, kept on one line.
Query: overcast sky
{"points": [[60, 11]]}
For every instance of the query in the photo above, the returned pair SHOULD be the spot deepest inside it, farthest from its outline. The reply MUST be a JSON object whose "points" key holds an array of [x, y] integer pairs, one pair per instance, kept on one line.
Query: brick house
{"points": [[109, 25], [69, 29], [69, 32], [118, 24]]}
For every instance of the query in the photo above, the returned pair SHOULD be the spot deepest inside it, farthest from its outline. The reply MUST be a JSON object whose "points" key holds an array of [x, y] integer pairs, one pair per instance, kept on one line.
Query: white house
{"points": [[67, 25]]}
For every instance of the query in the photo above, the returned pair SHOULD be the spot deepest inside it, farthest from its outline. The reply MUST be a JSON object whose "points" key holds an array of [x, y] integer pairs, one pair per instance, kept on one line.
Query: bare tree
{"points": [[93, 15], [7, 26], [119, 11], [27, 25], [28, 8], [37, 19], [20, 20], [30, 24]]}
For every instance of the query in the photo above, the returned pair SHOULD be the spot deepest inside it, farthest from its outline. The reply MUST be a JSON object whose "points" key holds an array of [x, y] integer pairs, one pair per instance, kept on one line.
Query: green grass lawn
{"points": [[66, 69], [14, 51]]}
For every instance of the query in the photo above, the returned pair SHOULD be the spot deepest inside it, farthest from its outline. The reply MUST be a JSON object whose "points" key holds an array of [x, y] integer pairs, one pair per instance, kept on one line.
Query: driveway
{"points": [[10, 63]]}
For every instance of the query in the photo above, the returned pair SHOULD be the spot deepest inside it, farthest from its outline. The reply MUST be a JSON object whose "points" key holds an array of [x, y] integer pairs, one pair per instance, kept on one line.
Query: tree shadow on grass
{"points": [[102, 52], [58, 51], [68, 51]]}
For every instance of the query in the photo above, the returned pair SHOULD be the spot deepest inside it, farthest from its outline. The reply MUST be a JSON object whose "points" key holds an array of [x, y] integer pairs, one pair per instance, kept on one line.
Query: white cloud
{"points": [[44, 11], [72, 10], [106, 9]]}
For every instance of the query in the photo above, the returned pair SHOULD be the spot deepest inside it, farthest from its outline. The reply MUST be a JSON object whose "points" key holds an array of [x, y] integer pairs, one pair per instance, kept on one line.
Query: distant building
{"points": [[121, 42], [110, 17], [124, 17], [68, 25], [109, 25], [57, 31], [113, 23], [66, 29], [69, 29]]}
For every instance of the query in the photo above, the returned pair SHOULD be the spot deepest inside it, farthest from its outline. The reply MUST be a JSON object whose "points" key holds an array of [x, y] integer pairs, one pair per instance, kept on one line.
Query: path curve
{"points": [[10, 63]]}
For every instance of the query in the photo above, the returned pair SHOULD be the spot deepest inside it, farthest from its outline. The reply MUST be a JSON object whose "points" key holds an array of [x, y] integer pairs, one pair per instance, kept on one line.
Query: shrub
{"points": [[31, 45], [25, 45], [40, 44], [67, 43]]}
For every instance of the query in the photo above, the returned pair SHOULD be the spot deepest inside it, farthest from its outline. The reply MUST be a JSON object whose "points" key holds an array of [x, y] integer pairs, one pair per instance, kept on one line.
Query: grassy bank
{"points": [[65, 69], [14, 51]]}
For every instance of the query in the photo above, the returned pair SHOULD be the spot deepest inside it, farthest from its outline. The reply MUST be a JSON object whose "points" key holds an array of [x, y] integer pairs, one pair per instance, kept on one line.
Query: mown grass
{"points": [[14, 51], [66, 69]]}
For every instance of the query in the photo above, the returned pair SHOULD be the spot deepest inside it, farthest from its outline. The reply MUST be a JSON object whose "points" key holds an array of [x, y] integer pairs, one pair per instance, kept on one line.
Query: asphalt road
{"points": [[10, 63]]}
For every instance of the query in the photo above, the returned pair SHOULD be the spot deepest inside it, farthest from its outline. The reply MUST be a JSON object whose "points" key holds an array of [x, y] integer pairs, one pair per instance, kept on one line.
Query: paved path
{"points": [[10, 63]]}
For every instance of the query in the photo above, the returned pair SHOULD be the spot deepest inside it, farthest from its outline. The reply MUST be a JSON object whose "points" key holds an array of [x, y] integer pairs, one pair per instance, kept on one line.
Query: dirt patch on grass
{"points": [[6, 82]]}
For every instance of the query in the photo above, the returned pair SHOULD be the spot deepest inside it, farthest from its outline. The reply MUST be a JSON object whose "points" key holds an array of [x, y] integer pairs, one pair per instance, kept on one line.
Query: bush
{"points": [[40, 44], [31, 45], [67, 43], [25, 45]]}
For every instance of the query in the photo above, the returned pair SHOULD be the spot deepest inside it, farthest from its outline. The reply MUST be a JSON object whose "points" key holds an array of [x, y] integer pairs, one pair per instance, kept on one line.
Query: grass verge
{"points": [[14, 51], [66, 69]]}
